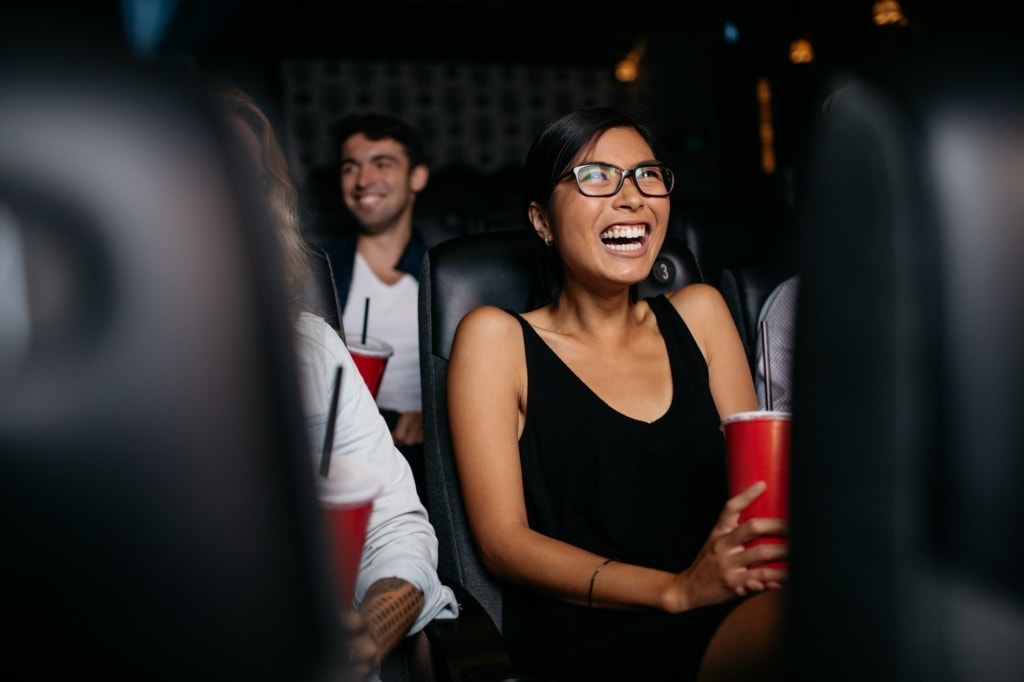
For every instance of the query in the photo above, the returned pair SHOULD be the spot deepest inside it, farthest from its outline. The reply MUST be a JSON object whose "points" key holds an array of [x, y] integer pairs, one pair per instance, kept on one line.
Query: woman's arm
{"points": [[704, 310]]}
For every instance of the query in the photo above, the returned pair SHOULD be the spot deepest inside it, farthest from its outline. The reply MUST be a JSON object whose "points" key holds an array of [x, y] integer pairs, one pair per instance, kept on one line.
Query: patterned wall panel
{"points": [[478, 115]]}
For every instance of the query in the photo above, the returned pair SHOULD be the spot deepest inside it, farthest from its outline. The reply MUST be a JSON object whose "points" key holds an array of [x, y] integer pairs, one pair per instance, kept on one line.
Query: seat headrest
{"points": [[500, 268], [675, 267], [493, 268]]}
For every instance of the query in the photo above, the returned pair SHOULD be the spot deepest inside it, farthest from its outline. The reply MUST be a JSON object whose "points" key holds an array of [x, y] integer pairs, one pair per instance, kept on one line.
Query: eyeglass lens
{"points": [[599, 179]]}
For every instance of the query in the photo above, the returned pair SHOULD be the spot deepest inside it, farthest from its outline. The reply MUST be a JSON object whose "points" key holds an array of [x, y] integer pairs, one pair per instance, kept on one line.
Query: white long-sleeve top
{"points": [[400, 541]]}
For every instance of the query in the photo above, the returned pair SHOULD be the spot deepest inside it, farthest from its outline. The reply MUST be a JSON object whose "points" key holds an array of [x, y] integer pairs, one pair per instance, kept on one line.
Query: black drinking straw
{"points": [[766, 362], [366, 317], [332, 417]]}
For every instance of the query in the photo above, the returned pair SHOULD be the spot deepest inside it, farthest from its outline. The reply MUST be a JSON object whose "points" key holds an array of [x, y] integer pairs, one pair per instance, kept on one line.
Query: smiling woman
{"points": [[586, 435]]}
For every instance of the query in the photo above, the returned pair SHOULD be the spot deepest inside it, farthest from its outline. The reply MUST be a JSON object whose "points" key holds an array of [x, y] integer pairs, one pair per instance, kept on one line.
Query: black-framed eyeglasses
{"points": [[604, 179]]}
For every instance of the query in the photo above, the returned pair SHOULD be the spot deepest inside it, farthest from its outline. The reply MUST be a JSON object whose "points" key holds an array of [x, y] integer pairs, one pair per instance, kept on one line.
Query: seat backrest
{"points": [[493, 268], [909, 380], [722, 239], [320, 294], [747, 286], [458, 275], [160, 519], [674, 267]]}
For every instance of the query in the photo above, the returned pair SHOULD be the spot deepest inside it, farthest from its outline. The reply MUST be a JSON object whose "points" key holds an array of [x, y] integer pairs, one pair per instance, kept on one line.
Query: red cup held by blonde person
{"points": [[371, 357], [346, 499], [757, 449]]}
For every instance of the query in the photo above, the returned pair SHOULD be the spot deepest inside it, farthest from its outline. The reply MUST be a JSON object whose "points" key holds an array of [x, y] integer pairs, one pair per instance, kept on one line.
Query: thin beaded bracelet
{"points": [[590, 593]]}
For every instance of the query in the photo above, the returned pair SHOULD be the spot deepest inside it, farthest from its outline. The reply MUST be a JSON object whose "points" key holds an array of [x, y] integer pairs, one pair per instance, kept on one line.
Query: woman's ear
{"points": [[539, 220], [418, 178]]}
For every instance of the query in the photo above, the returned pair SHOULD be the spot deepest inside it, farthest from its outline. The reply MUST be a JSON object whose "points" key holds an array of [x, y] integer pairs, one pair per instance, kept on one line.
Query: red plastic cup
{"points": [[757, 448], [346, 498], [371, 358]]}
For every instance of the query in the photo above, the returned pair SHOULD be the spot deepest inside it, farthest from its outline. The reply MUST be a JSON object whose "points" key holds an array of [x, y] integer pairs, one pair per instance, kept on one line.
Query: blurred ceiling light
{"points": [[730, 33], [888, 12], [765, 128], [628, 70], [146, 23], [801, 52]]}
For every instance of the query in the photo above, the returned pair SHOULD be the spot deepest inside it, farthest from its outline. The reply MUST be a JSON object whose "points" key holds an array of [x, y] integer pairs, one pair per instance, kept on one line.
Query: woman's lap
{"points": [[654, 647]]}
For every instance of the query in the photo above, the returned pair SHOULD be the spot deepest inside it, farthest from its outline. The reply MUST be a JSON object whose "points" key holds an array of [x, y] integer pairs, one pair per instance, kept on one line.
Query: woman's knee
{"points": [[751, 643]]}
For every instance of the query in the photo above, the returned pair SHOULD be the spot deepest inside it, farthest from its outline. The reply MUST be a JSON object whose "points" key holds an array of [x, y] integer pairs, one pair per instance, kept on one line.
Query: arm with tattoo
{"points": [[390, 607]]}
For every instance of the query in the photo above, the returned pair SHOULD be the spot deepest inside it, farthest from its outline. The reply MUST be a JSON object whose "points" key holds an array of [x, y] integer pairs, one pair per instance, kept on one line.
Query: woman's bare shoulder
{"points": [[486, 324], [698, 297], [488, 317]]}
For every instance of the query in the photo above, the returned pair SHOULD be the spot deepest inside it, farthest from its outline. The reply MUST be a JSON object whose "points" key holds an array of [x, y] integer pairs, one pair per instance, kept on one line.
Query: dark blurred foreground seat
{"points": [[159, 512], [495, 268], [908, 434]]}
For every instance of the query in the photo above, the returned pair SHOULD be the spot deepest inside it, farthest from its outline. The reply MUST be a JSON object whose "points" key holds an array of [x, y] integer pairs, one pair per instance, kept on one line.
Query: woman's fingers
{"points": [[762, 527], [740, 502], [752, 493]]}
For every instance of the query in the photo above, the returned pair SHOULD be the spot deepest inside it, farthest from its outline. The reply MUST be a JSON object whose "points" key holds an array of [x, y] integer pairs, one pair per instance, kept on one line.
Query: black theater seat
{"points": [[496, 268]]}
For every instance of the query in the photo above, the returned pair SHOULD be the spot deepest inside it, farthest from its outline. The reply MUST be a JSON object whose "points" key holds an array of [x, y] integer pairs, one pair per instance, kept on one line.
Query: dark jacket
{"points": [[341, 250]]}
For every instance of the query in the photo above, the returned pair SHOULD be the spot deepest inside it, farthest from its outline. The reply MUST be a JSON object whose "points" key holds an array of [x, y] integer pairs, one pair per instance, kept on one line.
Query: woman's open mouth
{"points": [[625, 237]]}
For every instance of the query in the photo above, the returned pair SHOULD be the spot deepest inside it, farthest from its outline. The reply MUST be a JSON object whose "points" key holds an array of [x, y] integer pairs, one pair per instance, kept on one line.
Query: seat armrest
{"points": [[468, 648]]}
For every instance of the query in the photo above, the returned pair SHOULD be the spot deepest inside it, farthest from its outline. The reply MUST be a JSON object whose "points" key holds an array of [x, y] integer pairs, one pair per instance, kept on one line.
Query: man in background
{"points": [[383, 169]]}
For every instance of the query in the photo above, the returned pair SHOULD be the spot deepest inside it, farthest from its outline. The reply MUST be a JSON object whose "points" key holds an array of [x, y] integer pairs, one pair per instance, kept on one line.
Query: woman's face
{"points": [[607, 240]]}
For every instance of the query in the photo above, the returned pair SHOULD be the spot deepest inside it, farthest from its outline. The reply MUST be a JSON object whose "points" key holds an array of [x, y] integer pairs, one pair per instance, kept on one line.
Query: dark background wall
{"points": [[481, 78]]}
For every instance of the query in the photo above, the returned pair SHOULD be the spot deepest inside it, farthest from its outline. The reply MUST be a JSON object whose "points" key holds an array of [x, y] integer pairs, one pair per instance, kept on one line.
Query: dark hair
{"points": [[551, 155], [376, 126]]}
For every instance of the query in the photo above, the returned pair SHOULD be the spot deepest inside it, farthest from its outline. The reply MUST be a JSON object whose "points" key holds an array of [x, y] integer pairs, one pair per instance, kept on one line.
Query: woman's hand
{"points": [[725, 570]]}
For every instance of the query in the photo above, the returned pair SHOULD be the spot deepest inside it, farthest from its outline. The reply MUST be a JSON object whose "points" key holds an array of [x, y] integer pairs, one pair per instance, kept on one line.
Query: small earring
{"points": [[547, 240]]}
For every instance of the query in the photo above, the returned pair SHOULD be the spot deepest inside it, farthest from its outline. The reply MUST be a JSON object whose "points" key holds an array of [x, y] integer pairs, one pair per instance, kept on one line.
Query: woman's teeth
{"points": [[624, 237]]}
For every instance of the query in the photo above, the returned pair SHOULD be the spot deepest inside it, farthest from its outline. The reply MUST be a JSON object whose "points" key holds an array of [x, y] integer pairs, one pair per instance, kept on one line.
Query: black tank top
{"points": [[642, 493]]}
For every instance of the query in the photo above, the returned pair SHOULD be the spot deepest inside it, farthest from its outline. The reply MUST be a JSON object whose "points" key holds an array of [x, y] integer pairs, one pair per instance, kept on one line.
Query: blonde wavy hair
{"points": [[281, 195]]}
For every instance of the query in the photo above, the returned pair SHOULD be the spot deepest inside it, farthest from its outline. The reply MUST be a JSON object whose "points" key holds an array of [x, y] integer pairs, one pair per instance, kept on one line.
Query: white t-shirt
{"points": [[394, 318]]}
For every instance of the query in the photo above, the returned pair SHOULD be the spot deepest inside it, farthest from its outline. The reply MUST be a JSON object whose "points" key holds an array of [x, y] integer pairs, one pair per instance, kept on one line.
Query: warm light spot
{"points": [[888, 12], [626, 71], [801, 52], [766, 131]]}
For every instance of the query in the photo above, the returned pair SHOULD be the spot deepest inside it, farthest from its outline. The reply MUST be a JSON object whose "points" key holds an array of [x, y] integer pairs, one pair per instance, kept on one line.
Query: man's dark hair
{"points": [[376, 126]]}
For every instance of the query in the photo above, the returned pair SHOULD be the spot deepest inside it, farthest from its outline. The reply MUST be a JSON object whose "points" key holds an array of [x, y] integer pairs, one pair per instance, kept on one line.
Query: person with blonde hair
{"points": [[398, 590]]}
